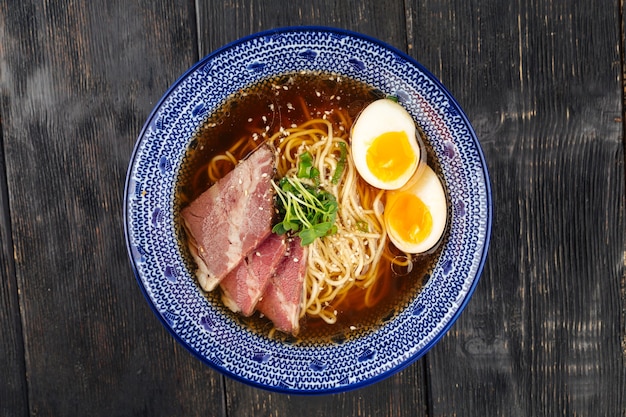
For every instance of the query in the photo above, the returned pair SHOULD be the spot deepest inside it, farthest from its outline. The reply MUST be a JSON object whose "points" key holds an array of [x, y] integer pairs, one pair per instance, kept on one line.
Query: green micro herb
{"points": [[308, 211]]}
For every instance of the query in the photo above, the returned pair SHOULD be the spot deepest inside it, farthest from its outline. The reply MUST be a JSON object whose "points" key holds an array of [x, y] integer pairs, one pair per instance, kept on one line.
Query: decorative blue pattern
{"points": [[201, 325]]}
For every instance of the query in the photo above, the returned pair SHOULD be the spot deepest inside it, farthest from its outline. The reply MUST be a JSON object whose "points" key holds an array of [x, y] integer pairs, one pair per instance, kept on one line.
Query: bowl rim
{"points": [[471, 133]]}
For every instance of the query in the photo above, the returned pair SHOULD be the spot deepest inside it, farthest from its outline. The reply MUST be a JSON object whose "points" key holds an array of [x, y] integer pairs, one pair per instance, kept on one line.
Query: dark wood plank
{"points": [[78, 81], [403, 394], [400, 395], [13, 392], [222, 22], [540, 82], [546, 329]]}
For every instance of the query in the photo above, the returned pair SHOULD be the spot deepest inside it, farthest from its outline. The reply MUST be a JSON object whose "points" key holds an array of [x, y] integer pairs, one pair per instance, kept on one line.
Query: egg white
{"points": [[428, 188], [380, 117]]}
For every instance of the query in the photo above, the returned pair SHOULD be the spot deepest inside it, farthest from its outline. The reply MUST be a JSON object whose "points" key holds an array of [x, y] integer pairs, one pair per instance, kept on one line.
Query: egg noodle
{"points": [[351, 257]]}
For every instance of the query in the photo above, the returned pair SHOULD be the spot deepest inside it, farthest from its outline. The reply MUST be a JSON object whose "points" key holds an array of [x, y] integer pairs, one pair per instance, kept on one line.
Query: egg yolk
{"points": [[390, 155], [410, 218]]}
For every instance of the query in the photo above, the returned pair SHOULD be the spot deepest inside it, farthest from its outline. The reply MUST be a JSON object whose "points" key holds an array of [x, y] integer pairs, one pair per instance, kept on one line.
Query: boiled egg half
{"points": [[384, 145], [416, 215]]}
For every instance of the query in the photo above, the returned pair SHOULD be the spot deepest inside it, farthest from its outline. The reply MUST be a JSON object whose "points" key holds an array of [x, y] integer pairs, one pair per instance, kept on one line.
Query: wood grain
{"points": [[540, 82], [80, 80], [400, 395], [222, 22], [13, 392]]}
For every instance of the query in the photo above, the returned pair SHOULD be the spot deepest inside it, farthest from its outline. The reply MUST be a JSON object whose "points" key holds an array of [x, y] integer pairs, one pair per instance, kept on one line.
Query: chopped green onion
{"points": [[362, 226], [392, 98], [306, 168], [341, 163]]}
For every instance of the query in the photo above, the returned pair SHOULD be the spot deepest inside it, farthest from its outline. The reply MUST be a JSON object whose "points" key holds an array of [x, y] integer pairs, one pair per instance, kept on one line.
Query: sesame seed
{"points": [[249, 120]]}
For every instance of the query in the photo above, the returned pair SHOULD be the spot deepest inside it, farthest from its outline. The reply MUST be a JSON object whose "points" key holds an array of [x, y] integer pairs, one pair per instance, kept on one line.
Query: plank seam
{"points": [[199, 47], [622, 55], [12, 278]]}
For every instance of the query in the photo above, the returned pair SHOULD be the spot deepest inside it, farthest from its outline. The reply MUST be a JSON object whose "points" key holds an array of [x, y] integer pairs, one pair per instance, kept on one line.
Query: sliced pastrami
{"points": [[231, 218], [242, 287], [282, 299]]}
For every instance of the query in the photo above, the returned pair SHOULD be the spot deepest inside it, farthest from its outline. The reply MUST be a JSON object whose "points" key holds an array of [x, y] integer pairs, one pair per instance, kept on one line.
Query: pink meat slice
{"points": [[242, 287], [231, 218], [281, 301]]}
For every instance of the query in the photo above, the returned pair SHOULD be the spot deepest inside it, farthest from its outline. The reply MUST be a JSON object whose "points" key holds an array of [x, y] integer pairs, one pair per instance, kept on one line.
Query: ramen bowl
{"points": [[206, 328]]}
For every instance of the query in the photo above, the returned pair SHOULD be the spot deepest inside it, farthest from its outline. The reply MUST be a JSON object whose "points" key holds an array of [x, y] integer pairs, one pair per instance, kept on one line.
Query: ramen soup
{"points": [[357, 275]]}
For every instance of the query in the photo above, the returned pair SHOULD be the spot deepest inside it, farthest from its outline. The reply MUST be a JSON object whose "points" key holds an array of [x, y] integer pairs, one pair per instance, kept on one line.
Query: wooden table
{"points": [[542, 83]]}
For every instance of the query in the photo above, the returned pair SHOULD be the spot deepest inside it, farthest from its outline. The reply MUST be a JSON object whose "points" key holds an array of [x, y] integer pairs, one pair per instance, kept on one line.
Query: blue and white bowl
{"points": [[202, 326]]}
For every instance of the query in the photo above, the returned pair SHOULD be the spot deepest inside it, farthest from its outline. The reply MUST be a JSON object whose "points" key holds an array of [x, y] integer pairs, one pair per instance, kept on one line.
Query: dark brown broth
{"points": [[260, 111]]}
